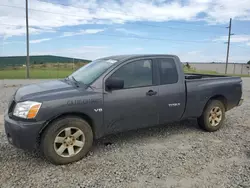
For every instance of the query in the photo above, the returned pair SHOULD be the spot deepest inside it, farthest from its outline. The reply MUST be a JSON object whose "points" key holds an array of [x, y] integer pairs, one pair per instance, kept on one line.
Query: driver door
{"points": [[135, 105]]}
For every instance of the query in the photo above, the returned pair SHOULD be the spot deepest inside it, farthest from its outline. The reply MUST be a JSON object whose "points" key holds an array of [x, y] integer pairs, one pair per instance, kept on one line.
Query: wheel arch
{"points": [[76, 114], [203, 120], [221, 98]]}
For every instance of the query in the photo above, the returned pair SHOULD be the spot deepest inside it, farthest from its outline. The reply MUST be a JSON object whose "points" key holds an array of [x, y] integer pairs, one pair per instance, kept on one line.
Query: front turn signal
{"points": [[33, 111]]}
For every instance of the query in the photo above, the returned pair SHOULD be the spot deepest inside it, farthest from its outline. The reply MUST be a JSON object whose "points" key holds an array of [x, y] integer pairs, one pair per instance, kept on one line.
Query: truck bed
{"points": [[201, 87]]}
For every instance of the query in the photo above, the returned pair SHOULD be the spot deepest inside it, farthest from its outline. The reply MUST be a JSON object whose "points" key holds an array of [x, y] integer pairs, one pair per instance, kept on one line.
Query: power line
{"points": [[107, 35], [159, 39], [145, 38], [38, 10], [137, 37], [138, 23], [144, 24], [171, 27], [243, 47], [131, 23], [34, 27], [243, 33], [13, 25]]}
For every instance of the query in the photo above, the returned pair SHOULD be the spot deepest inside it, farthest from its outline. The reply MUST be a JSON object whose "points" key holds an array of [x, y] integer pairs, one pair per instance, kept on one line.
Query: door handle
{"points": [[151, 93]]}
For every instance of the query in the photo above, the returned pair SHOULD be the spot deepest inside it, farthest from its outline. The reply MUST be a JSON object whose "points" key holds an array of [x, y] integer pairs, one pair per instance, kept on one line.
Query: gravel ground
{"points": [[174, 155]]}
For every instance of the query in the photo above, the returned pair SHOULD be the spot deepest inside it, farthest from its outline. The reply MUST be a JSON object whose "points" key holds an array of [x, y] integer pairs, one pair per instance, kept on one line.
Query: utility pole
{"points": [[27, 42], [228, 42], [3, 47]]}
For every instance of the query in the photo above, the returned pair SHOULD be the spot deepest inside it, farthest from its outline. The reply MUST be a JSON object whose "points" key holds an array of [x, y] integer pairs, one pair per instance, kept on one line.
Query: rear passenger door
{"points": [[171, 101]]}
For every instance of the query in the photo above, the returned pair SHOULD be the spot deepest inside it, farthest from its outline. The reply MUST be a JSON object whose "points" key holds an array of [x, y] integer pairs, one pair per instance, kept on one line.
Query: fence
{"points": [[233, 68], [62, 70], [44, 70]]}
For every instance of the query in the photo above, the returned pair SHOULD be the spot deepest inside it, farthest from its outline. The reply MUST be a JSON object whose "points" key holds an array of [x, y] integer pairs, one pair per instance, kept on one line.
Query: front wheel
{"points": [[213, 116], [66, 140]]}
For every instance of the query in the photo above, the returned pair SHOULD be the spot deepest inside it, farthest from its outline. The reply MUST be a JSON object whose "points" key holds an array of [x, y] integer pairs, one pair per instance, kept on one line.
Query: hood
{"points": [[43, 89]]}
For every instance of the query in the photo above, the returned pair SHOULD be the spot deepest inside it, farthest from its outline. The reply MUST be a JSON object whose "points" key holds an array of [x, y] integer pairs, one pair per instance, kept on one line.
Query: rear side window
{"points": [[168, 71]]}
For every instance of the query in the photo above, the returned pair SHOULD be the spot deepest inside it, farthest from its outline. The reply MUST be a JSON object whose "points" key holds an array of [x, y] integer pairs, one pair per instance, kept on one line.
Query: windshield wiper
{"points": [[75, 81]]}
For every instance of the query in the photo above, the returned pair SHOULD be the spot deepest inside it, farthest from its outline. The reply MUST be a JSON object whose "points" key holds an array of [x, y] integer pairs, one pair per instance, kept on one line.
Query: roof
{"points": [[132, 56]]}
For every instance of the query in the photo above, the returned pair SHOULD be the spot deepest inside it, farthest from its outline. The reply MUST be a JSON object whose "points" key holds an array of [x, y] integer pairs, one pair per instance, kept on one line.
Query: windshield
{"points": [[90, 72]]}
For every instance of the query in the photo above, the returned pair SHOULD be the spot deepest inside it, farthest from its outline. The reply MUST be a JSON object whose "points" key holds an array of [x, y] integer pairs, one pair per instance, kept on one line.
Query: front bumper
{"points": [[22, 134]]}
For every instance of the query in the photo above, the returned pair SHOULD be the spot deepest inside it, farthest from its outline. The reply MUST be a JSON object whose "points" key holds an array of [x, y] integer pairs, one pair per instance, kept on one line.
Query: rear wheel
{"points": [[66, 140], [213, 116]]}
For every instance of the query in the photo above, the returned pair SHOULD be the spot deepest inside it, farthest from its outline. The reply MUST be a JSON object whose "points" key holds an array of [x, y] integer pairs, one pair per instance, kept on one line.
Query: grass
{"points": [[41, 71], [191, 70], [62, 72], [35, 73], [200, 71]]}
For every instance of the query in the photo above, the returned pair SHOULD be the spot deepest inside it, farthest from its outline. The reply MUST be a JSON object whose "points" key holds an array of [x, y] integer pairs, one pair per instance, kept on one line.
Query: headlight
{"points": [[27, 109]]}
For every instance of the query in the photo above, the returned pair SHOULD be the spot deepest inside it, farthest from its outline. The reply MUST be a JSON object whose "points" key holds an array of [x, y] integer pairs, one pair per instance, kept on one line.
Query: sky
{"points": [[195, 30]]}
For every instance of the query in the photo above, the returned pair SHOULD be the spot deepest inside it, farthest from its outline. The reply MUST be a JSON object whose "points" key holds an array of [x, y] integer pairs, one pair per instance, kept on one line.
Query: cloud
{"points": [[9, 31], [221, 10], [82, 32], [48, 17], [11, 42], [39, 40], [68, 34], [131, 32], [234, 38]]}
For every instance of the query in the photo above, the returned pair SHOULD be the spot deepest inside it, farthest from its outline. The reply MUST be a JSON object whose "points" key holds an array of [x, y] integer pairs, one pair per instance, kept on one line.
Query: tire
{"points": [[57, 145], [212, 122]]}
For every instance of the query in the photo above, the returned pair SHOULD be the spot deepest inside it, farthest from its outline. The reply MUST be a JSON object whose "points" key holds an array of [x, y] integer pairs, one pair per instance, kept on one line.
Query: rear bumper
{"points": [[240, 102], [22, 134]]}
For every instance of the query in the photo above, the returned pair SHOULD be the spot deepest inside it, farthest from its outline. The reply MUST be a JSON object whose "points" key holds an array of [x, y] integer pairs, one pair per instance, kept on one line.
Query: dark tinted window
{"points": [[168, 71], [135, 74]]}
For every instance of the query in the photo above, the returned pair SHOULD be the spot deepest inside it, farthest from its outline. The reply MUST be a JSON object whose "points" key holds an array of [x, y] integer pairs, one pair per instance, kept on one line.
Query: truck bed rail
{"points": [[190, 76]]}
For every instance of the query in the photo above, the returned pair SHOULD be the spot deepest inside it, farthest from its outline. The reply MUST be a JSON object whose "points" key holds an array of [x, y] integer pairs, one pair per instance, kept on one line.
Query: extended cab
{"points": [[111, 95]]}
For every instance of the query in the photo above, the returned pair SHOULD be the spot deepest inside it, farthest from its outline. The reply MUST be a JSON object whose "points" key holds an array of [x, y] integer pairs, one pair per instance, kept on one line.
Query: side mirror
{"points": [[114, 83]]}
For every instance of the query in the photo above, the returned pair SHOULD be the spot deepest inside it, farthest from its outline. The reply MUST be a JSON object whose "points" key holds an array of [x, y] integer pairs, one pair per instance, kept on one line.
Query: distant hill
{"points": [[42, 59]]}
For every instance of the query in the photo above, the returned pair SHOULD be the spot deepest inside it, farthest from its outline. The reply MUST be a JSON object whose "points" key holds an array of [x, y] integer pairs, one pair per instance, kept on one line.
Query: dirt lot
{"points": [[173, 155]]}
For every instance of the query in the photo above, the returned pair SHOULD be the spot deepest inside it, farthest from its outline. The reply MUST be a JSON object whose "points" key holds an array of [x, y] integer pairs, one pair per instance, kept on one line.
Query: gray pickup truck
{"points": [[61, 118]]}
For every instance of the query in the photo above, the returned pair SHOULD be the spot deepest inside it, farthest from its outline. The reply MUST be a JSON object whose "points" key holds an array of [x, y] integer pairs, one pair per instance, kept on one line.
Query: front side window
{"points": [[135, 74], [168, 71], [90, 72]]}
